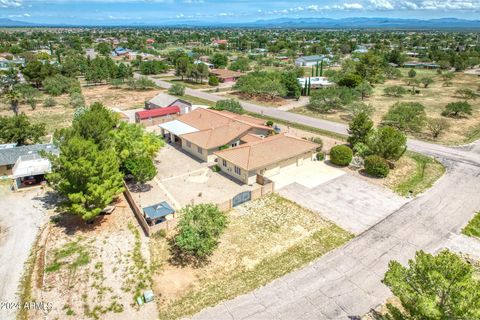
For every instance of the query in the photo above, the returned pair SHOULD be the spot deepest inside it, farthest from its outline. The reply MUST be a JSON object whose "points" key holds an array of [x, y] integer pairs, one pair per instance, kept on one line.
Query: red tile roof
{"points": [[154, 113]]}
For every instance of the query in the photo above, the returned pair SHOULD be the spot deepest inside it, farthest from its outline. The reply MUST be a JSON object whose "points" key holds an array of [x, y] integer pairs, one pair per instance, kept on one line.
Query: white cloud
{"points": [[382, 4], [10, 3]]}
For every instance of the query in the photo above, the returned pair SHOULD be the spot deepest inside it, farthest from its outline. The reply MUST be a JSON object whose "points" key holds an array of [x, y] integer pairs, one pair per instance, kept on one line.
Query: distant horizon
{"points": [[260, 21], [163, 12]]}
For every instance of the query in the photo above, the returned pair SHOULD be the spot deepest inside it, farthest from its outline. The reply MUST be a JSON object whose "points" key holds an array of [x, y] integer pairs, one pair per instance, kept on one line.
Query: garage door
{"points": [[289, 163], [272, 171]]}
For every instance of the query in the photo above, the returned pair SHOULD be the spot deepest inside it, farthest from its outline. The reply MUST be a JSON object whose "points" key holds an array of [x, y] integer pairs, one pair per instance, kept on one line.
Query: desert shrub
{"points": [[49, 102], [269, 123], [213, 81], [318, 141], [341, 155], [177, 89], [457, 109], [376, 166], [406, 116], [394, 91]]}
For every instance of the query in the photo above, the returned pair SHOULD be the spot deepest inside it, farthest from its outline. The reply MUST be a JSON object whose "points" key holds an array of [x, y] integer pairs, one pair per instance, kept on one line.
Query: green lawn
{"points": [[426, 173], [473, 227]]}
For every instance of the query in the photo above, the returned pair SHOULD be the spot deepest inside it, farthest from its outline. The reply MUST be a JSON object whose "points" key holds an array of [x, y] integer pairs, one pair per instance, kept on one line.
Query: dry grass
{"points": [[264, 240], [123, 99], [434, 98], [93, 271]]}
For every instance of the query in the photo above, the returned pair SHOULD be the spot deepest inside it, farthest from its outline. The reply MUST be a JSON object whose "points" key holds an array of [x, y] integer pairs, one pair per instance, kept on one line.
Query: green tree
{"points": [[96, 125], [213, 81], [388, 143], [200, 228], [219, 60], [241, 64], [359, 129], [350, 80], [142, 169], [104, 48], [14, 98], [202, 71], [177, 89], [394, 91], [434, 288], [77, 100], [229, 105], [376, 166], [406, 116], [364, 89], [330, 99], [457, 109], [426, 81], [412, 73], [181, 66], [290, 81], [29, 94], [89, 178], [18, 129]]}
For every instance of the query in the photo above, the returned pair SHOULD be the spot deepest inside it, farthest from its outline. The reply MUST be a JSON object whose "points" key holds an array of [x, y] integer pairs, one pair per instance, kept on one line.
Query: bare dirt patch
{"points": [[93, 270], [121, 98]]}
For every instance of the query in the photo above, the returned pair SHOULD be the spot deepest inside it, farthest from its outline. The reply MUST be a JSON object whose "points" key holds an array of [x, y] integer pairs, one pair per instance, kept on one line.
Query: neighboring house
{"points": [[205, 131], [6, 64], [217, 43], [120, 51], [308, 61], [150, 41], [225, 75], [421, 65], [361, 49], [265, 157], [24, 164], [157, 116], [315, 82], [209, 65], [163, 100]]}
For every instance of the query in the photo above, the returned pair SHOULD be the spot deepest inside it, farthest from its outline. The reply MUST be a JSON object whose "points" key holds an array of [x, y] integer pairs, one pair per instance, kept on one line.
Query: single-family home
{"points": [[308, 61], [163, 100], [315, 82], [421, 65], [217, 43], [225, 75], [120, 51], [24, 164], [209, 65], [265, 157], [6, 63], [205, 131]]}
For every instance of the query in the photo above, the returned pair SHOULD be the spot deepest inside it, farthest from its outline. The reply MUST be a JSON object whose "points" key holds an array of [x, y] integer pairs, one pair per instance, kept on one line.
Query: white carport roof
{"points": [[177, 127]]}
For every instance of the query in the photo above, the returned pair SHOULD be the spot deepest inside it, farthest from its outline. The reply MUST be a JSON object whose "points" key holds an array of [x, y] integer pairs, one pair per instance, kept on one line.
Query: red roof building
{"points": [[156, 113]]}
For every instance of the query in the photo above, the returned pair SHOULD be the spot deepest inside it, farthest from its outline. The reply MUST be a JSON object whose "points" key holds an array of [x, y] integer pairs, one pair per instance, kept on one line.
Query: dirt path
{"points": [[21, 217]]}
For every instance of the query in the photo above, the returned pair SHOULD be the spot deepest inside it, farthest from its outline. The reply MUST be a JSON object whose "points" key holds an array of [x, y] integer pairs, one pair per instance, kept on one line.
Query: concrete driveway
{"points": [[309, 175], [21, 217], [350, 202]]}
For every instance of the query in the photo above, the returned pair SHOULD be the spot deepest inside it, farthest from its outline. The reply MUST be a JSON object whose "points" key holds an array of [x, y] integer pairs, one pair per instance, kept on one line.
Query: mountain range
{"points": [[301, 23]]}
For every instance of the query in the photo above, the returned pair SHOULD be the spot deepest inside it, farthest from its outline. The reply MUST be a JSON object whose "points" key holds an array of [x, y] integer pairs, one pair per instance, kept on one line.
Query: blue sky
{"points": [[97, 12]]}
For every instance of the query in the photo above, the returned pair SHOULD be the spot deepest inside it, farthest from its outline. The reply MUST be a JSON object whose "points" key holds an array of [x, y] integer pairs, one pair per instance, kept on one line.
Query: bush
{"points": [[269, 123], [376, 166], [49, 102], [457, 109], [77, 100], [341, 155], [177, 89], [320, 156], [318, 141], [213, 81], [59, 84], [200, 228], [229, 105], [394, 91], [406, 116]]}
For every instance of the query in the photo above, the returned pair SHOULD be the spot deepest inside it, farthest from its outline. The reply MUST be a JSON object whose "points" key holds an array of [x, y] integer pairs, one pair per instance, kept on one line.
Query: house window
{"points": [[224, 162], [199, 150], [189, 144], [9, 166], [238, 170], [234, 144]]}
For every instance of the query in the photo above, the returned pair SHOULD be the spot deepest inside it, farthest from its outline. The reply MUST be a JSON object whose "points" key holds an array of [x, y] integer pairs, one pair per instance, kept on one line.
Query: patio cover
{"points": [[159, 210], [177, 127]]}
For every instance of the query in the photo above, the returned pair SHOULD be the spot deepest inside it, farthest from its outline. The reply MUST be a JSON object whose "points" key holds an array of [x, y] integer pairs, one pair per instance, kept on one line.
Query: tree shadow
{"points": [[139, 187], [72, 224], [180, 258]]}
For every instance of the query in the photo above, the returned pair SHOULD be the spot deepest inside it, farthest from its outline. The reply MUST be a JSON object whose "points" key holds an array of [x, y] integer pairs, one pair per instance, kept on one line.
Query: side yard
{"points": [[92, 271], [264, 240]]}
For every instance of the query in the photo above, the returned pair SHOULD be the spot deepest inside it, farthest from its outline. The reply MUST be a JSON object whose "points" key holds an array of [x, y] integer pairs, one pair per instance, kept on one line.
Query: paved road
{"points": [[347, 281], [21, 216]]}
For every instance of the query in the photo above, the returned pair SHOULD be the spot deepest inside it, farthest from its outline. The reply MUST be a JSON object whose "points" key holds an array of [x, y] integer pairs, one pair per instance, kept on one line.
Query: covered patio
{"points": [[172, 130]]}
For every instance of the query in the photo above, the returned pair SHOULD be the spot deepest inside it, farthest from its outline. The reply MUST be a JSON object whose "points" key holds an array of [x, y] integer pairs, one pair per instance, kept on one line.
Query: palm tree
{"points": [[14, 97]]}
